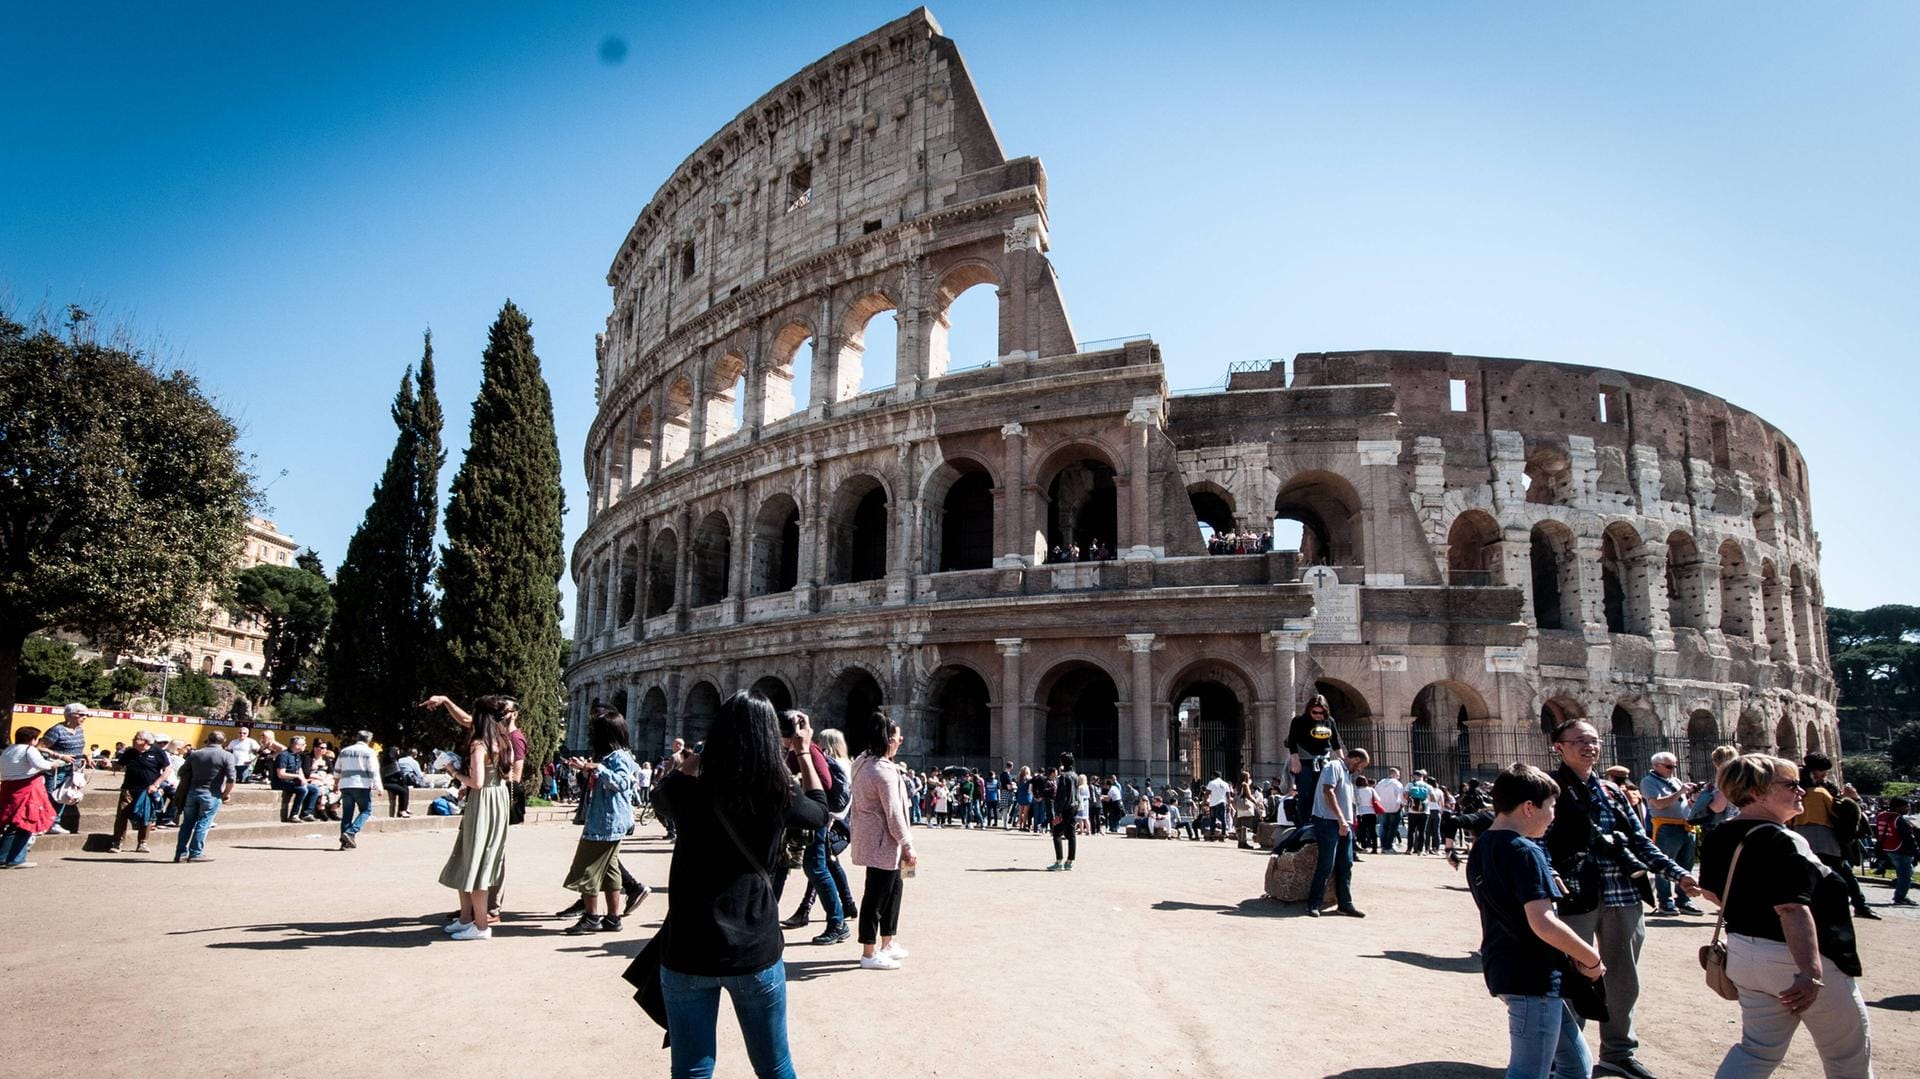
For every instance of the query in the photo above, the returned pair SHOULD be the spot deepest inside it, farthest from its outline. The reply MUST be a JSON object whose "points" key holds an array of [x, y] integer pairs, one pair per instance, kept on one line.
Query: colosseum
{"points": [[1483, 545]]}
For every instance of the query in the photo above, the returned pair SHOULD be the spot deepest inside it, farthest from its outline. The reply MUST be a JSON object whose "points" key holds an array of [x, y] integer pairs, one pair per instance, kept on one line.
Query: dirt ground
{"points": [[1151, 958]]}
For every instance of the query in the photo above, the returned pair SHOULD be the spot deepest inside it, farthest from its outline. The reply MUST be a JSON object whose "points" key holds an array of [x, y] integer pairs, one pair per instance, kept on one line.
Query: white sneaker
{"points": [[879, 961], [57, 830], [473, 933], [455, 927], [893, 951]]}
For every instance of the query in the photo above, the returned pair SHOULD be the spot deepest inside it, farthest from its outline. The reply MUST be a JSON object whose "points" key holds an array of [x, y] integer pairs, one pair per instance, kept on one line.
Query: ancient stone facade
{"points": [[1487, 544]]}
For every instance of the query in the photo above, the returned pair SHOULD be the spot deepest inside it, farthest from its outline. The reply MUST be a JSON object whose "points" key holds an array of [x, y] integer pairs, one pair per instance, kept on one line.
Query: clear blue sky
{"points": [[283, 196]]}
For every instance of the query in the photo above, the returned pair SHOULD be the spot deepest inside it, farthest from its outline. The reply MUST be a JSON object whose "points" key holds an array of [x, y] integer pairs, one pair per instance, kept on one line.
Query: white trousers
{"points": [[1837, 1019]]}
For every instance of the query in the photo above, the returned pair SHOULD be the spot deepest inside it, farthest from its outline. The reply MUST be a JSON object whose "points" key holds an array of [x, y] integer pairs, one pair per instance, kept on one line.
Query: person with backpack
{"points": [[1828, 823], [1065, 800], [1419, 801], [796, 731], [1899, 841]]}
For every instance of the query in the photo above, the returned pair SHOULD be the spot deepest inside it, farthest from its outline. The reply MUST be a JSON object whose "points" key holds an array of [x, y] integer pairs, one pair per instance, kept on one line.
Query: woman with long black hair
{"points": [[478, 861], [731, 806], [882, 841]]}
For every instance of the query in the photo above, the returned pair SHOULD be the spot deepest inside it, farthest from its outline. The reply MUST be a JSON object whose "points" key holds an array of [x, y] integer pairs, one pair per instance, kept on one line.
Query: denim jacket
{"points": [[610, 813]]}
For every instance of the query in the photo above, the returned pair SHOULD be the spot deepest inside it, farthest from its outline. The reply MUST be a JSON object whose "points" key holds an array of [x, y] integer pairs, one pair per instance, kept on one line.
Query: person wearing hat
{"points": [[1311, 738], [68, 739]]}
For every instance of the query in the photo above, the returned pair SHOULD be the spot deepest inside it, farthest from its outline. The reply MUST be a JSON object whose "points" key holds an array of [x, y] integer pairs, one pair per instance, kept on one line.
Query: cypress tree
{"points": [[500, 570], [383, 643]]}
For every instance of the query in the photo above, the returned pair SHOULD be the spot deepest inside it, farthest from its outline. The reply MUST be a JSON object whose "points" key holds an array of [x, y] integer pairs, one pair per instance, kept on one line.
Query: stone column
{"points": [[1378, 492], [697, 414], [1513, 557], [611, 623], [1140, 743], [682, 566], [657, 436], [737, 577], [753, 411], [1647, 585], [905, 509], [1286, 645], [1593, 612], [812, 538], [635, 734], [1011, 737], [1142, 420], [1016, 539]]}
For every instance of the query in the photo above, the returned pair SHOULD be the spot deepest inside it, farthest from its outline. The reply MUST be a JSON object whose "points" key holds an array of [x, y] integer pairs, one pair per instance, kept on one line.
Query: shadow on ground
{"points": [[1906, 1002], [1257, 907], [1430, 1069], [1446, 964], [808, 969], [1008, 869], [397, 932]]}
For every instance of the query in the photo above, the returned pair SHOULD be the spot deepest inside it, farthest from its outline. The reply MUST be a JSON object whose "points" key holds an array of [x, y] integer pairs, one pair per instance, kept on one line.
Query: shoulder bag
{"points": [[1713, 956]]}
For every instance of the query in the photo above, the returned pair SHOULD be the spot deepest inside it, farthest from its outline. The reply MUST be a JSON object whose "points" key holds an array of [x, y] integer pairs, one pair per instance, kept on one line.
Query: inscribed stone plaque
{"points": [[1336, 607]]}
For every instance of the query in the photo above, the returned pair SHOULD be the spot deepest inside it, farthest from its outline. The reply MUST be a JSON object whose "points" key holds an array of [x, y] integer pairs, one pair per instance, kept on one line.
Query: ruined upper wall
{"points": [[876, 132]]}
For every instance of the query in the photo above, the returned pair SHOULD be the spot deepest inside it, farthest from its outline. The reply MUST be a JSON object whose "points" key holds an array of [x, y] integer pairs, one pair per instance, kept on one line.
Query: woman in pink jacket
{"points": [[882, 840]]}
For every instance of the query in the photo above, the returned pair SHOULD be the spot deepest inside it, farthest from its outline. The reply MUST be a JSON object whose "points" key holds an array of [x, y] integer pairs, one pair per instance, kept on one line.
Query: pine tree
{"points": [[500, 570], [383, 643]]}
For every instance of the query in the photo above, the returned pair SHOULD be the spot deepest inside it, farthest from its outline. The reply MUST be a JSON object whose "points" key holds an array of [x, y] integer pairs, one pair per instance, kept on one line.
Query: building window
{"points": [[686, 262], [1456, 395], [799, 188]]}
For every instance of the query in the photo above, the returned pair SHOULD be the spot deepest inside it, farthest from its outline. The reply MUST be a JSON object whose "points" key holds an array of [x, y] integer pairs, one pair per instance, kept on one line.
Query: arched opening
{"points": [[1813, 738], [1083, 717], [1686, 601], [676, 428], [662, 561], [1752, 732], [206, 664], [1558, 710], [726, 397], [959, 517], [1324, 507], [703, 703], [1770, 600], [1213, 511], [869, 348], [712, 560], [776, 547], [651, 737], [1548, 478], [787, 385], [1213, 724], [1439, 735], [775, 691], [1703, 735], [1623, 602], [1556, 577], [639, 446], [850, 699], [1473, 551], [1083, 506], [1786, 739], [966, 323], [961, 714], [1633, 735], [857, 532], [1736, 593], [629, 583], [594, 583]]}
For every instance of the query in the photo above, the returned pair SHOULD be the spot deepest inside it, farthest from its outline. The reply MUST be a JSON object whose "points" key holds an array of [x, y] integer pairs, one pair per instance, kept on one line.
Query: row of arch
{"points": [[706, 400], [1324, 505], [1639, 580]]}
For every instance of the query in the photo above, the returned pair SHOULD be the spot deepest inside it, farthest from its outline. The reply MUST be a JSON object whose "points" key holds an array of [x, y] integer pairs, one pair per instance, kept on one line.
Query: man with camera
{"points": [[1605, 861], [1670, 806]]}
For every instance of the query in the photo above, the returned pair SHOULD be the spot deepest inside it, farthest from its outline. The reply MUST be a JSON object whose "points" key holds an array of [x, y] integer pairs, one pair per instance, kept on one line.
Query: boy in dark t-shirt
{"points": [[1524, 946]]}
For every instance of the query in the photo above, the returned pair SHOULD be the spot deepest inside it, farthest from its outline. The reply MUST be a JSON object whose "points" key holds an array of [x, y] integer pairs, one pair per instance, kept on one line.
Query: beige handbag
{"points": [[1713, 956]]}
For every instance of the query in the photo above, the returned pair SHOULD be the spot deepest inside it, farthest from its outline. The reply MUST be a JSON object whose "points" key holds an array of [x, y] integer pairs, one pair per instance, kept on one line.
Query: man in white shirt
{"points": [[1392, 794], [356, 775], [1218, 794], [245, 751], [1333, 834]]}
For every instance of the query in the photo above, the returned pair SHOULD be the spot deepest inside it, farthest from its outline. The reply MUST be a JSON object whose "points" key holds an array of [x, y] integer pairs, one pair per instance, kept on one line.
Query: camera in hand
{"points": [[1614, 847]]}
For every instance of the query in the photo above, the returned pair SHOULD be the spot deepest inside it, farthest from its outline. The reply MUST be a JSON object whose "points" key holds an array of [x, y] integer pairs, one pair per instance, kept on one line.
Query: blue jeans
{"points": [[195, 819], [14, 845], [1389, 830], [1902, 875], [814, 863], [1543, 1039], [759, 1003], [1676, 842], [1335, 860], [356, 805]]}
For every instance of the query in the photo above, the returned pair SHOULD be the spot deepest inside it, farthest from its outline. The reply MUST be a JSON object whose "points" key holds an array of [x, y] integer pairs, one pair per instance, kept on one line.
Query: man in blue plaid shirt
{"points": [[1590, 808]]}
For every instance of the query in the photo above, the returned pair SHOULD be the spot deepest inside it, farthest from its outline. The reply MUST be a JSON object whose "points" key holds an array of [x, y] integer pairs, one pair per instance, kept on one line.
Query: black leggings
{"points": [[1063, 829], [397, 799], [880, 906]]}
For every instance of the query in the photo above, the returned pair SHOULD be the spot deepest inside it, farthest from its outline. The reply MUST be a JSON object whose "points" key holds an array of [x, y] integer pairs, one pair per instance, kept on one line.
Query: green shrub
{"points": [[301, 711], [1869, 775]]}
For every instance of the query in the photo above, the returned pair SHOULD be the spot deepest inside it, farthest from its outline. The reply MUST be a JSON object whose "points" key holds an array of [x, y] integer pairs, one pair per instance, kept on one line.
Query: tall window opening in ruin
{"points": [[1456, 395], [1326, 508], [1548, 478], [686, 261], [1802, 607], [961, 715], [869, 349], [662, 562], [1686, 588], [1703, 734], [851, 697], [1473, 550], [651, 733], [775, 691], [1438, 735], [1083, 505], [960, 517], [787, 386], [1771, 598], [629, 583], [1556, 577], [1720, 445], [1736, 593], [1212, 510], [966, 322], [639, 447], [676, 428], [1786, 739], [1624, 593], [857, 532], [726, 396], [697, 715], [712, 554], [1612, 405], [615, 475], [1083, 717], [1214, 728], [776, 547]]}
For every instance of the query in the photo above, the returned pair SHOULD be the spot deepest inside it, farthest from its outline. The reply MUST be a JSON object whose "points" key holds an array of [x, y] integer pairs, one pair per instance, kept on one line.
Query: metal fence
{"points": [[1453, 757]]}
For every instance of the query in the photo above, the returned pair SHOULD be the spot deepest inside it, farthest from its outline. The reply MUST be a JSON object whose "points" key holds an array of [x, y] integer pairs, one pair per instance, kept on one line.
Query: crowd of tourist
{"points": [[1240, 542], [1095, 551]]}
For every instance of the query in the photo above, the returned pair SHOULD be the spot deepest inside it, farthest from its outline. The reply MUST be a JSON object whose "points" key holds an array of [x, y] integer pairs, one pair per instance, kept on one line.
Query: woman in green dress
{"points": [[478, 860]]}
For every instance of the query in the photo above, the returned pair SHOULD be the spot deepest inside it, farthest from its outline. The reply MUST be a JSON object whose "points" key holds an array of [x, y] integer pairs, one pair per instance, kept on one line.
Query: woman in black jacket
{"points": [[732, 805]]}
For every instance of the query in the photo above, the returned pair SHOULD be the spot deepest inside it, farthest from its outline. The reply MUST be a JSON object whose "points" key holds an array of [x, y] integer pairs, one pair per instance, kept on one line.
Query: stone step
{"points": [[238, 825]]}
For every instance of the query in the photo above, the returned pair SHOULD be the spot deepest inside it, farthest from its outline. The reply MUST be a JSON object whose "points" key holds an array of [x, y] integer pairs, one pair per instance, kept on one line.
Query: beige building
{"points": [[226, 643]]}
